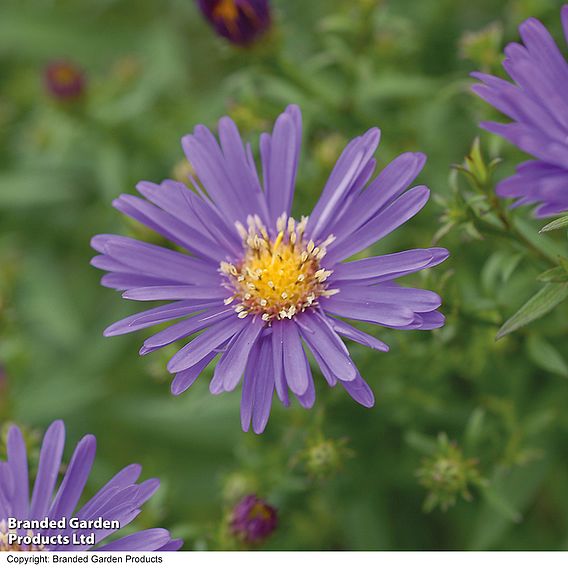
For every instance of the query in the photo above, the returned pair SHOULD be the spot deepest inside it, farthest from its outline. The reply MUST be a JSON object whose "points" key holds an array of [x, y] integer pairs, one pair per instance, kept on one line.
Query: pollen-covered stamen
{"points": [[277, 278], [9, 540]]}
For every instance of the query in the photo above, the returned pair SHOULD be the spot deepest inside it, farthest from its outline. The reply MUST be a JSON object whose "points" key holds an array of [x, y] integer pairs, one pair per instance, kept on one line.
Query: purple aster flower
{"points": [[240, 21], [253, 520], [537, 104], [64, 80], [262, 287], [119, 500]]}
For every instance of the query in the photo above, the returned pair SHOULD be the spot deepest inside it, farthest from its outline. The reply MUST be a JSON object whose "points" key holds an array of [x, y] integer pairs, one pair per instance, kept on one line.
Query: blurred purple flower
{"points": [[262, 292], [538, 106], [64, 80], [253, 520], [240, 21], [119, 500]]}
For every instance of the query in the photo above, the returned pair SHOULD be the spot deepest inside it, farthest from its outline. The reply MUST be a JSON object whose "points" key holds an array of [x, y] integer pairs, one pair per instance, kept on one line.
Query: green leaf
{"points": [[545, 244], [556, 224], [556, 274], [420, 442], [501, 505], [546, 356], [474, 428], [509, 494], [540, 304]]}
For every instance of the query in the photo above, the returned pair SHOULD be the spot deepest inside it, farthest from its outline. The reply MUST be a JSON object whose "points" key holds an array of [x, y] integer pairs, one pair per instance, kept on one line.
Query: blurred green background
{"points": [[466, 446]]}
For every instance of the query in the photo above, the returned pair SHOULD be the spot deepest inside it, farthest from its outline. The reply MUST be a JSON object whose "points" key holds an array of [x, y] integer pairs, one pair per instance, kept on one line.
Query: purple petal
{"points": [[328, 345], [278, 363], [248, 390], [295, 363], [48, 469], [18, 461], [372, 312], [284, 152], [153, 293], [264, 387], [147, 540], [389, 219], [75, 478], [308, 399], [155, 316], [231, 366], [378, 268], [122, 479], [387, 186], [186, 328], [168, 226], [171, 546], [351, 163], [360, 392], [152, 260], [414, 299], [358, 336], [204, 344], [184, 379]]}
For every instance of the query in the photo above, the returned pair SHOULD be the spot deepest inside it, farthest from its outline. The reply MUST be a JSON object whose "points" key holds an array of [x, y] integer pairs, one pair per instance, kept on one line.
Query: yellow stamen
{"points": [[278, 278]]}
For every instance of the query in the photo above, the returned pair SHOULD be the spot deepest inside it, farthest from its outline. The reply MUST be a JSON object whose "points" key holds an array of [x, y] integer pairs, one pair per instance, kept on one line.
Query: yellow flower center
{"points": [[8, 544], [64, 75], [226, 10], [277, 278], [260, 511]]}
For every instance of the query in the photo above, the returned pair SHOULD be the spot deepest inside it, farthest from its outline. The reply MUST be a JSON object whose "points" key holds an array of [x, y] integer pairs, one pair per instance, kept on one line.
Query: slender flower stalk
{"points": [[240, 21], [118, 502], [536, 102], [262, 287]]}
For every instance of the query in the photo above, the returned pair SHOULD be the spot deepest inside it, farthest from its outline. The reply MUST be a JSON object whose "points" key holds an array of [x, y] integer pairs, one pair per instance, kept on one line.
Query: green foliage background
{"points": [[154, 70]]}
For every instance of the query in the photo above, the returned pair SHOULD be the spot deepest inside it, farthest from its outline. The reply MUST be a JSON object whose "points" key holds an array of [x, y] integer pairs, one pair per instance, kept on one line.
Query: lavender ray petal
{"points": [[203, 344], [155, 316], [387, 186], [295, 362], [386, 315], [186, 328], [358, 336], [122, 479], [146, 540], [172, 546], [18, 461], [278, 363], [75, 478], [386, 221], [184, 379], [414, 299], [48, 469], [360, 392], [248, 390], [231, 366], [264, 387], [328, 345], [284, 152], [164, 293]]}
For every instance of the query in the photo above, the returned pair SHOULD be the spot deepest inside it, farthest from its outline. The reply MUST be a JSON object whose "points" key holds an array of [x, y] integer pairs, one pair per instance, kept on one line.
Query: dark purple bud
{"points": [[253, 520], [240, 21], [64, 80]]}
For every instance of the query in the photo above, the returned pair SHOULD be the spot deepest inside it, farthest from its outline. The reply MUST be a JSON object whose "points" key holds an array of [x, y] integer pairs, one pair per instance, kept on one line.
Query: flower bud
{"points": [[253, 520], [240, 21], [64, 80], [448, 475]]}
